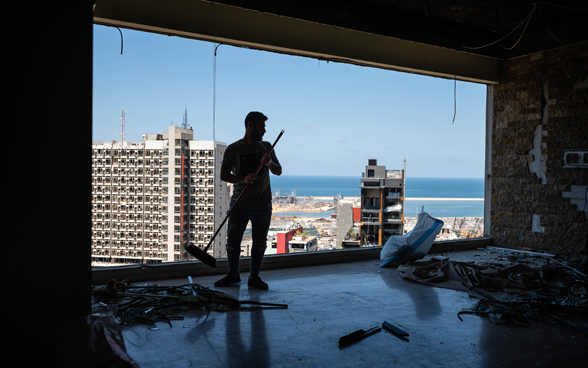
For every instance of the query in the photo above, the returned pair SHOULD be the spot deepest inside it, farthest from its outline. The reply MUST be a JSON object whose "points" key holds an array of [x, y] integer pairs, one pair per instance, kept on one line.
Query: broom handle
{"points": [[239, 197]]}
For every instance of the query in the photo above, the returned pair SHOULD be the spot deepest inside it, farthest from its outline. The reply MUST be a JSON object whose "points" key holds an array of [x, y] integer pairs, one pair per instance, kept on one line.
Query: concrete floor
{"points": [[327, 302]]}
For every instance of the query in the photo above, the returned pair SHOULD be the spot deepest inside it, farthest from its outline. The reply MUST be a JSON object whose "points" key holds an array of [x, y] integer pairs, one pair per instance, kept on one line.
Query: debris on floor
{"points": [[150, 303], [514, 287], [357, 335]]}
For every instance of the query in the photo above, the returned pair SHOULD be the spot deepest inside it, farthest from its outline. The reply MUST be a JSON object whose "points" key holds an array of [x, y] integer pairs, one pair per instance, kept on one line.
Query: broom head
{"points": [[201, 255]]}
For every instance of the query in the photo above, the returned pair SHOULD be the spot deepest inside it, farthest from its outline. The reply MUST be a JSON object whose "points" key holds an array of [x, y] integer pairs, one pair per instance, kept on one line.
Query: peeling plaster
{"points": [[538, 166], [536, 225], [577, 195]]}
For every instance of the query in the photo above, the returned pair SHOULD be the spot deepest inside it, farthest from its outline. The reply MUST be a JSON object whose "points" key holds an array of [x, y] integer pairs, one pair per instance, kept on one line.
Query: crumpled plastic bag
{"points": [[413, 245]]}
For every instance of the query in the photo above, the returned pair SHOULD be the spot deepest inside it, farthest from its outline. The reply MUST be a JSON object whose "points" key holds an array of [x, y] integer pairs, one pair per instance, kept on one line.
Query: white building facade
{"points": [[150, 199]]}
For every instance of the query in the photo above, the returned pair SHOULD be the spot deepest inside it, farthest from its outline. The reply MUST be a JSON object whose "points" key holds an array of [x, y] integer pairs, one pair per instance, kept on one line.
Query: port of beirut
{"points": [[302, 210]]}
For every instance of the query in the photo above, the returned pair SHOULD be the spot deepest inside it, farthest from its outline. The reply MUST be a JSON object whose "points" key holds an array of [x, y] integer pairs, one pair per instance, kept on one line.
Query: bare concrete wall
{"points": [[540, 108]]}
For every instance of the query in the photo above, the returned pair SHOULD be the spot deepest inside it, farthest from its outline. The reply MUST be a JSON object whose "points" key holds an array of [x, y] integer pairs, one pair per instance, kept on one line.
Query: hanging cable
{"points": [[121, 40], [523, 32], [455, 89], [214, 92], [562, 6], [527, 20], [555, 38], [547, 28]]}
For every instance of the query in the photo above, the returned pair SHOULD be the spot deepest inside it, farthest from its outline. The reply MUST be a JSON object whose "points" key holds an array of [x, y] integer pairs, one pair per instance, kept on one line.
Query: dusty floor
{"points": [[327, 302]]}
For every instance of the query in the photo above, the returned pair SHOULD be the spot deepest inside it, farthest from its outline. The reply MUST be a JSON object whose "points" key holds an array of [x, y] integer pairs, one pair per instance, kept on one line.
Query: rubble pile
{"points": [[513, 287]]}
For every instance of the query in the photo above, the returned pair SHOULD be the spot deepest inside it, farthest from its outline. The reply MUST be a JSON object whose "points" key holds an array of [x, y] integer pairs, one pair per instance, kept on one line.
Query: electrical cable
{"points": [[527, 20], [121, 40], [567, 7], [214, 92], [552, 35], [455, 89], [524, 29], [547, 28], [522, 33], [107, 134]]}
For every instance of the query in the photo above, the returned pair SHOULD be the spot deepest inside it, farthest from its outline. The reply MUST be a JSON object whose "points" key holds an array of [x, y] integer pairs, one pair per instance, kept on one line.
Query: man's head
{"points": [[255, 124]]}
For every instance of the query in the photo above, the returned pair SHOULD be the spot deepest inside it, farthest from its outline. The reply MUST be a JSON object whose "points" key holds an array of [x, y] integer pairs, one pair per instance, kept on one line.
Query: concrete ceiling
{"points": [[456, 24], [463, 39]]}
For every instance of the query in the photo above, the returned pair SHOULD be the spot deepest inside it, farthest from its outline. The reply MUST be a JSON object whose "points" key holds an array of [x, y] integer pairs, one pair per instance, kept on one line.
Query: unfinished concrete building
{"points": [[532, 56], [382, 203]]}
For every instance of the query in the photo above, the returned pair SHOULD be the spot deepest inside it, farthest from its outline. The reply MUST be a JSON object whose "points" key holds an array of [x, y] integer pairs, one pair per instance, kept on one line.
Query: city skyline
{"points": [[336, 116]]}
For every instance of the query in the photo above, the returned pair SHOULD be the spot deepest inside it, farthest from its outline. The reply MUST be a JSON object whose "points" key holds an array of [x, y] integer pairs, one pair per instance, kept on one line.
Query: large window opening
{"points": [[339, 120]]}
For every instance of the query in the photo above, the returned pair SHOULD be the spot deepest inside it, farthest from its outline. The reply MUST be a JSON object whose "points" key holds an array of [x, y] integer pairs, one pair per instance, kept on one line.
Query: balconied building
{"points": [[150, 199], [382, 203]]}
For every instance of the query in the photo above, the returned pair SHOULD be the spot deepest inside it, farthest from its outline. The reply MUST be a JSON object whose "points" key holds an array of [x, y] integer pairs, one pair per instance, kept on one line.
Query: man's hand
{"points": [[266, 160], [227, 176], [250, 178]]}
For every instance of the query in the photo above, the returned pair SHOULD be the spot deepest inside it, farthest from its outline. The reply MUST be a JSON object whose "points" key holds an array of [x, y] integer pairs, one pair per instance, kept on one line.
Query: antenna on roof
{"points": [[185, 120], [122, 125]]}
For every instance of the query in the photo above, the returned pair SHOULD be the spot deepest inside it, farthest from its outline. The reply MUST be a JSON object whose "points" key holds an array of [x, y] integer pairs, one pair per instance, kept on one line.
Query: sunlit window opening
{"points": [[365, 150]]}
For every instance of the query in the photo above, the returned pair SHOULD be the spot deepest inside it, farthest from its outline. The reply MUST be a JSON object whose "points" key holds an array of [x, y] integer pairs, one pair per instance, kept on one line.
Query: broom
{"points": [[201, 254]]}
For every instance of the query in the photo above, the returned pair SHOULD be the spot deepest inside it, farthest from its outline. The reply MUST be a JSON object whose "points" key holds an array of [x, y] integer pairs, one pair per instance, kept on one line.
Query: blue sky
{"points": [[336, 116]]}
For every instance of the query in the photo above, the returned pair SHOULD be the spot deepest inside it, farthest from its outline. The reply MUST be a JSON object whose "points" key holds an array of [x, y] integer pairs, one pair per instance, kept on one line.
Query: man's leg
{"points": [[236, 227], [261, 217]]}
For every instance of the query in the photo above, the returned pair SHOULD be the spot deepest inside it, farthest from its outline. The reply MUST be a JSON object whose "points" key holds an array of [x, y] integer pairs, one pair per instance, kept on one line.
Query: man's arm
{"points": [[273, 166], [227, 176]]}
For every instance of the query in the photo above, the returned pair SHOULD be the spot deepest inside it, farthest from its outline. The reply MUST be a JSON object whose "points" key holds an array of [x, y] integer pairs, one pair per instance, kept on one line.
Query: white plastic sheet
{"points": [[413, 245], [396, 207]]}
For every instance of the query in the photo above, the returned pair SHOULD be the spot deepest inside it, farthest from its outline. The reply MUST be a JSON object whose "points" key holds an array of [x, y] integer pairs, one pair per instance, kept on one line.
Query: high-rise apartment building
{"points": [[151, 199], [382, 203]]}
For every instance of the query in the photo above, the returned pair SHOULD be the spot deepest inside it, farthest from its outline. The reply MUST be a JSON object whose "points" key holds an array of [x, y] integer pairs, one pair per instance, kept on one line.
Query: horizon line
{"points": [[420, 177]]}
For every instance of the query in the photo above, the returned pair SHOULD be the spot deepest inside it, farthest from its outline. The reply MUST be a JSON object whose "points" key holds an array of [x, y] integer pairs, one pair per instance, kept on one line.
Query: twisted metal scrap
{"points": [[153, 303], [522, 311]]}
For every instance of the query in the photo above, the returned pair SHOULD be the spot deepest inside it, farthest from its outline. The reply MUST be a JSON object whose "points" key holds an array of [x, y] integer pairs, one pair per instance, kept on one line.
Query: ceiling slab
{"points": [[232, 25], [502, 29]]}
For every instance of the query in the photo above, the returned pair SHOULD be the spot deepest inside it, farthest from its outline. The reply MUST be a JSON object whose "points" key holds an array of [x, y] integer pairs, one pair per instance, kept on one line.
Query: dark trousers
{"points": [[260, 217]]}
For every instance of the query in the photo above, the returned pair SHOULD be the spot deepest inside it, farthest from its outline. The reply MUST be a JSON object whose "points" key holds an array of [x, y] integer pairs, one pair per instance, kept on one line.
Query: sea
{"points": [[463, 197]]}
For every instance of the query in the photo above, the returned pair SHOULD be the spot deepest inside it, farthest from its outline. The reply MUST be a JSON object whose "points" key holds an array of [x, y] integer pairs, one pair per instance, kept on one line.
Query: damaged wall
{"points": [[540, 109]]}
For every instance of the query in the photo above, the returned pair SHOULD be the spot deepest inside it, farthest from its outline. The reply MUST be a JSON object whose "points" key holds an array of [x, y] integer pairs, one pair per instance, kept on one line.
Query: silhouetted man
{"points": [[241, 159]]}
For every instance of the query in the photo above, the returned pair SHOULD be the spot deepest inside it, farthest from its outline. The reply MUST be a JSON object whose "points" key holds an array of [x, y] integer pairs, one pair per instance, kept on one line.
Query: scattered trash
{"points": [[153, 303], [519, 288], [448, 274], [357, 335], [413, 245]]}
